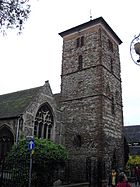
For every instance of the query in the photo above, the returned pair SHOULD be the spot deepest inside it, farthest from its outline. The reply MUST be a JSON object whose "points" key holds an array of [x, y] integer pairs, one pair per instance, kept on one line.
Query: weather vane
{"points": [[135, 49], [90, 15]]}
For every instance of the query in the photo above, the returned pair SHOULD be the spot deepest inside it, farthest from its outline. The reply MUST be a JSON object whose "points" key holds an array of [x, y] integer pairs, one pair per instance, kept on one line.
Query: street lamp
{"points": [[135, 50]]}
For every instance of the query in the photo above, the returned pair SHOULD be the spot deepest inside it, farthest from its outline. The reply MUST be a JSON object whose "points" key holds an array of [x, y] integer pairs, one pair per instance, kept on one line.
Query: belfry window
{"points": [[110, 45], [80, 42], [43, 122]]}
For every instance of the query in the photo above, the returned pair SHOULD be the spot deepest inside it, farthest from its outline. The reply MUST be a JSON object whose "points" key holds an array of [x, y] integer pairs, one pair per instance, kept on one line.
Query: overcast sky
{"points": [[35, 56]]}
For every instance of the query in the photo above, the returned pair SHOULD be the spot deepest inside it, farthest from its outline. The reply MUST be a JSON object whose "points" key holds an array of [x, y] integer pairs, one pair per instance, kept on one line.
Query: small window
{"points": [[110, 45], [111, 65], [77, 141], [112, 106], [80, 62], [78, 42], [82, 41]]}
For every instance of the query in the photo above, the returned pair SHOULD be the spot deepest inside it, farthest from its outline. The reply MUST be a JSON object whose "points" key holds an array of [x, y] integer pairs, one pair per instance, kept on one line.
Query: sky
{"points": [[29, 59]]}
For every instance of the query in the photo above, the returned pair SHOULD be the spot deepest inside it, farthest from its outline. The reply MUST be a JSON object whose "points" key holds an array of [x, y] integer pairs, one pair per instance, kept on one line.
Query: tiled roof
{"points": [[13, 104], [132, 135]]}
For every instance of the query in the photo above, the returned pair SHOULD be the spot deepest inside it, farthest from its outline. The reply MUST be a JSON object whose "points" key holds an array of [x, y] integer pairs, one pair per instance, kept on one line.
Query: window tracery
{"points": [[43, 122]]}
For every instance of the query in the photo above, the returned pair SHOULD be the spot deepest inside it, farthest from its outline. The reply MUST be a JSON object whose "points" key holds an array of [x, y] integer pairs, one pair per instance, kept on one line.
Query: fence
{"points": [[45, 174]]}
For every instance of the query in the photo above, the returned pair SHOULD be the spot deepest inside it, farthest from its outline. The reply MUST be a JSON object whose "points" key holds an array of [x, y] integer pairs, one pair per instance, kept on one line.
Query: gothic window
{"points": [[43, 122], [6, 141], [110, 45], [80, 62]]}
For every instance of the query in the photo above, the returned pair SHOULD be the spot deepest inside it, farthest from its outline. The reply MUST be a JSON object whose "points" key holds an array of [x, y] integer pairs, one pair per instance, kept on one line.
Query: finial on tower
{"points": [[90, 15]]}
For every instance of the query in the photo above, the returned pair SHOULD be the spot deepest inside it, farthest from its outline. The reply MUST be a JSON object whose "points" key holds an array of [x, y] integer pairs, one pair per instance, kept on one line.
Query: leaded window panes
{"points": [[43, 122]]}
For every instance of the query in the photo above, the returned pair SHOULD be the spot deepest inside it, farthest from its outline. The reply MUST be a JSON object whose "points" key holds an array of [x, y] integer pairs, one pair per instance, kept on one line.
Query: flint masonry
{"points": [[87, 115]]}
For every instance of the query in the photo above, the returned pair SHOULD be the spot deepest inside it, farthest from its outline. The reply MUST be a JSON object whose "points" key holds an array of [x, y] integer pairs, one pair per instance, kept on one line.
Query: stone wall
{"points": [[92, 97]]}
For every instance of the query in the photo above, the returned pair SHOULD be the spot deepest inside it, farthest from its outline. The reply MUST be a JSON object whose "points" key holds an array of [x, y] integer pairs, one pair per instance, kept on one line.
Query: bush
{"points": [[47, 158]]}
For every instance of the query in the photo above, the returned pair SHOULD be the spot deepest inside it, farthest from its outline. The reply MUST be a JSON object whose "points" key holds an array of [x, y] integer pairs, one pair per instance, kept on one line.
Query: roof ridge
{"points": [[20, 91]]}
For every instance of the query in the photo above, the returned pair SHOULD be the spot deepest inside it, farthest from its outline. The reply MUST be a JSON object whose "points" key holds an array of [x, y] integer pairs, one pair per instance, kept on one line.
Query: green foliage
{"points": [[13, 14], [133, 160], [48, 158]]}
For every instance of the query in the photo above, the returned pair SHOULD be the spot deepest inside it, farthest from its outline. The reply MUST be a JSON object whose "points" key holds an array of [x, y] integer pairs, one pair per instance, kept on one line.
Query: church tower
{"points": [[91, 94]]}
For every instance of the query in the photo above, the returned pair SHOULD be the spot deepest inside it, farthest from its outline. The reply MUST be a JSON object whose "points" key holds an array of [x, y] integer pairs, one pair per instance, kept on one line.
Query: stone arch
{"points": [[6, 141], [44, 121]]}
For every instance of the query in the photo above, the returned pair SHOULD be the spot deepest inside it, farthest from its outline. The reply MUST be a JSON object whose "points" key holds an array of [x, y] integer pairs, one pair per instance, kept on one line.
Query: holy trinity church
{"points": [[87, 115]]}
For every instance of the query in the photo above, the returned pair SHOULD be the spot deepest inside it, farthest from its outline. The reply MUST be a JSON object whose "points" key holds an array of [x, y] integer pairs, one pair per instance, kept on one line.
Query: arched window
{"points": [[77, 42], [82, 41], [6, 141], [43, 122]]}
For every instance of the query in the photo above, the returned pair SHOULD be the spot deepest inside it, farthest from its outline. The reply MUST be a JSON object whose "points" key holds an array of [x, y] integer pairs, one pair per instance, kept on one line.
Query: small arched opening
{"points": [[6, 141]]}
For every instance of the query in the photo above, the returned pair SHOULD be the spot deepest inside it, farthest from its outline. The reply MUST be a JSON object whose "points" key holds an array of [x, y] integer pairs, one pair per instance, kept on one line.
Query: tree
{"points": [[13, 14], [48, 158], [133, 160]]}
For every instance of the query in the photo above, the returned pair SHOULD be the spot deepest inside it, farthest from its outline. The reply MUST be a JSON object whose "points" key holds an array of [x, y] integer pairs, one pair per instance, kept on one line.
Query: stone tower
{"points": [[91, 92]]}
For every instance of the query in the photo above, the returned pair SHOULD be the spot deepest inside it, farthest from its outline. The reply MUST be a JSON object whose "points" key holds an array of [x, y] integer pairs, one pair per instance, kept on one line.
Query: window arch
{"points": [[6, 141], [43, 122]]}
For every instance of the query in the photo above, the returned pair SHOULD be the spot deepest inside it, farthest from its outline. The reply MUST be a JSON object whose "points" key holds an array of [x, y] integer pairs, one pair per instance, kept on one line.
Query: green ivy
{"points": [[47, 158]]}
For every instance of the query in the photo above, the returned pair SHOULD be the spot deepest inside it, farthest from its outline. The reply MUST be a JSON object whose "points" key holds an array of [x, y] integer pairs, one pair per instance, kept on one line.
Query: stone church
{"points": [[87, 115]]}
